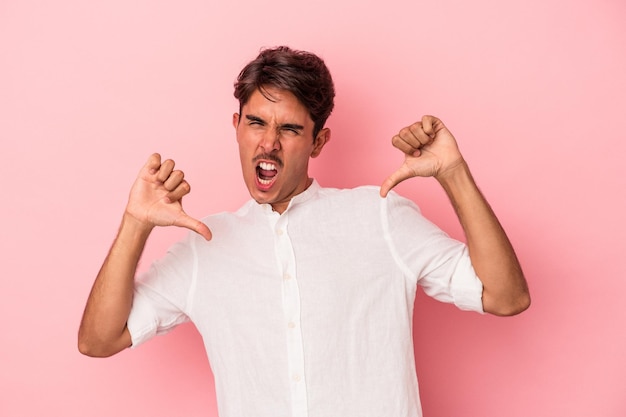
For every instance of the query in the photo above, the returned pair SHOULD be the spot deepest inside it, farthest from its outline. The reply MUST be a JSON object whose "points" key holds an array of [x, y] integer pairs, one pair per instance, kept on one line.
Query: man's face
{"points": [[275, 143]]}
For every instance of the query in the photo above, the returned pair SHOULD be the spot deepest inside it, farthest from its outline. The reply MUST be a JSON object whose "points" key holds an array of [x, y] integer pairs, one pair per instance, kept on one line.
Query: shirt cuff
{"points": [[141, 324], [467, 289]]}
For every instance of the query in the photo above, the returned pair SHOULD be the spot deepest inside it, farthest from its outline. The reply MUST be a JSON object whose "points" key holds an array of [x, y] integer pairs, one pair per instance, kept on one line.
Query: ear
{"points": [[235, 120], [321, 139]]}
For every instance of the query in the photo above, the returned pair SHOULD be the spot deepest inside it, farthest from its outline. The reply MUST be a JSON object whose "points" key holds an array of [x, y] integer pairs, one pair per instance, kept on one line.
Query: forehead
{"points": [[276, 103]]}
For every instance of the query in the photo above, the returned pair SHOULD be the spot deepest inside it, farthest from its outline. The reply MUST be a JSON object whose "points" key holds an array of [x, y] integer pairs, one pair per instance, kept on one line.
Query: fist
{"points": [[156, 197], [429, 150]]}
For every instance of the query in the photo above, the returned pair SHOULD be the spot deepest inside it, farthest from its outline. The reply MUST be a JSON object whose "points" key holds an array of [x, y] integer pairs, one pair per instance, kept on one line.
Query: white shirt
{"points": [[309, 313]]}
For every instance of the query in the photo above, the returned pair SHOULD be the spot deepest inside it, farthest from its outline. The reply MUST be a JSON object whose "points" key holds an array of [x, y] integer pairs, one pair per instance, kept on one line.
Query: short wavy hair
{"points": [[302, 73]]}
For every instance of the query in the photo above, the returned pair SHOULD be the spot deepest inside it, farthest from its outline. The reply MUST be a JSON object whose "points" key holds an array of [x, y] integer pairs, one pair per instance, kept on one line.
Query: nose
{"points": [[270, 141]]}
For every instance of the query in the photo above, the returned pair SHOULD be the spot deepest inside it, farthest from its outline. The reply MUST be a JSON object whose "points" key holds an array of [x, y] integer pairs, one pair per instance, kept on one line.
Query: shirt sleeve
{"points": [[439, 264], [161, 295]]}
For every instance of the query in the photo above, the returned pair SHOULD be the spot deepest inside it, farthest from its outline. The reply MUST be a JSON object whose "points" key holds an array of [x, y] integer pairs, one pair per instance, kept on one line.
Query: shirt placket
{"points": [[291, 309]]}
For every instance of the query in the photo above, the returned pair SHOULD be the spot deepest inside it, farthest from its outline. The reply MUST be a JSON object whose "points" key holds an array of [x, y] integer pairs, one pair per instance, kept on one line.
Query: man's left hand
{"points": [[429, 150]]}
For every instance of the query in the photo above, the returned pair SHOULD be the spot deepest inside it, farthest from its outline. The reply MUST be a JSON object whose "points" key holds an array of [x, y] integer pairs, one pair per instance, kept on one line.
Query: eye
{"points": [[291, 131], [254, 121]]}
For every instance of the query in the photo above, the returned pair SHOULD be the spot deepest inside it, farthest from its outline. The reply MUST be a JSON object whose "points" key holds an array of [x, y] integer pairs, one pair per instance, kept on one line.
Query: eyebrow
{"points": [[282, 126]]}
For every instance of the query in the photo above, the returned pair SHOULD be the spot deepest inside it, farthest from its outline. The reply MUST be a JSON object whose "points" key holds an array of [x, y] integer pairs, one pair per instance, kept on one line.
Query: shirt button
{"points": [[279, 232], [291, 325], [296, 377], [286, 277]]}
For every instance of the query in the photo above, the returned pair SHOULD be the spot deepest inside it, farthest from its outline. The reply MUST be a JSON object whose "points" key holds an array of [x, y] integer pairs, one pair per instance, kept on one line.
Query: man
{"points": [[304, 297]]}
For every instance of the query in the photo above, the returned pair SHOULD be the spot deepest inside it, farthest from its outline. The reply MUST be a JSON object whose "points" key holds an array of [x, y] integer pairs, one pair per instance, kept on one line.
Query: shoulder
{"points": [[368, 195], [228, 222], [359, 204], [246, 210]]}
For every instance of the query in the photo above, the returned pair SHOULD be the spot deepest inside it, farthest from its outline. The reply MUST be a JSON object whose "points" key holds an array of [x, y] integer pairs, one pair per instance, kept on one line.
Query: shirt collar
{"points": [[305, 195]]}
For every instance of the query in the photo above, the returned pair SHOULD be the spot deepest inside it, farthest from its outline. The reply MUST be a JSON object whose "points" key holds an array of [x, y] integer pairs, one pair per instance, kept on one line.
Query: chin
{"points": [[260, 196]]}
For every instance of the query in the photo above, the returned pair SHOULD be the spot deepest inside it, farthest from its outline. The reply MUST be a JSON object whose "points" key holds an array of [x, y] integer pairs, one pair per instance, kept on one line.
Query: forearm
{"points": [[505, 291], [103, 327]]}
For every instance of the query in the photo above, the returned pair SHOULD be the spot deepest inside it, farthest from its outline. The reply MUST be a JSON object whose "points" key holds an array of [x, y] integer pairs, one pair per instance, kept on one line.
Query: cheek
{"points": [[247, 141], [245, 144]]}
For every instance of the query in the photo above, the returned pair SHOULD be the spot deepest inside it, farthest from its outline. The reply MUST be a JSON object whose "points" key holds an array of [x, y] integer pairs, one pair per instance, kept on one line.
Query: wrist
{"points": [[461, 189], [457, 173], [135, 227]]}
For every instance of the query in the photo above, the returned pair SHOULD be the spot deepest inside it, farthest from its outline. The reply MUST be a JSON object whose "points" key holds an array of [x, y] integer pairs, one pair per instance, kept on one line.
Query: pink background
{"points": [[534, 91]]}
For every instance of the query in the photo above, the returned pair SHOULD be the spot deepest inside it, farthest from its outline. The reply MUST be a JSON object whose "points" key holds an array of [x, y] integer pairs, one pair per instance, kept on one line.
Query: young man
{"points": [[304, 296]]}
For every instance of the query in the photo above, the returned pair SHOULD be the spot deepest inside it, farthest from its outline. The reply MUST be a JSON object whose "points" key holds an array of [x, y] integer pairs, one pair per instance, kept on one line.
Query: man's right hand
{"points": [[156, 197]]}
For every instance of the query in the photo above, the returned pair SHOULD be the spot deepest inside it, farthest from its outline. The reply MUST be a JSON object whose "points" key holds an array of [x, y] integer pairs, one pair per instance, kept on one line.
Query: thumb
{"points": [[195, 225], [394, 179]]}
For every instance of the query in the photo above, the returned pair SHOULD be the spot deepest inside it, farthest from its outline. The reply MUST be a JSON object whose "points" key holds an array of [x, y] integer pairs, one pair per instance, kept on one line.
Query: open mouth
{"points": [[266, 172]]}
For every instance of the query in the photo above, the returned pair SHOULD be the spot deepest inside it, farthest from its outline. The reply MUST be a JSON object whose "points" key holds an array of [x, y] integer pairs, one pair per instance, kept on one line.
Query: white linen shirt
{"points": [[308, 313]]}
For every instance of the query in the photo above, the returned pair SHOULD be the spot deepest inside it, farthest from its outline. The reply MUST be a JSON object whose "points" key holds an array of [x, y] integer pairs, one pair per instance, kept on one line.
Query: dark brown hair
{"points": [[303, 74]]}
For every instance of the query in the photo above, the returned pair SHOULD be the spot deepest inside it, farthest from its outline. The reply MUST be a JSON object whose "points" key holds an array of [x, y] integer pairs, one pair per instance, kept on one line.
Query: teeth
{"points": [[266, 166], [264, 182]]}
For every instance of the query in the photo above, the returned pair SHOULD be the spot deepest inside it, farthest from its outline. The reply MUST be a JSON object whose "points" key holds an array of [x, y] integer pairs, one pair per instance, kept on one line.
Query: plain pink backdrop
{"points": [[534, 91]]}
